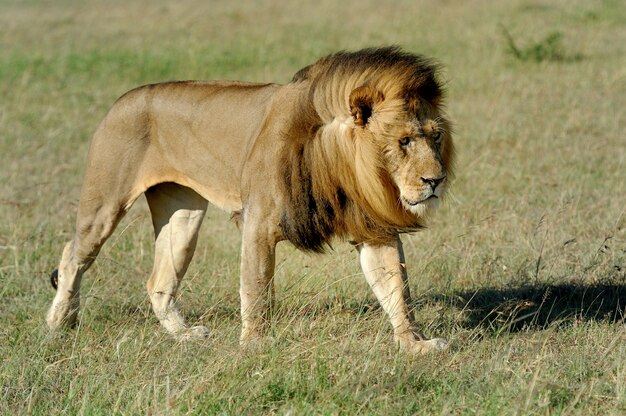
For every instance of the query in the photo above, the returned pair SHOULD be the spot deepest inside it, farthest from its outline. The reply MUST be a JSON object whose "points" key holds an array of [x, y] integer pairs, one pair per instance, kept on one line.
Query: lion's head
{"points": [[414, 143], [378, 154]]}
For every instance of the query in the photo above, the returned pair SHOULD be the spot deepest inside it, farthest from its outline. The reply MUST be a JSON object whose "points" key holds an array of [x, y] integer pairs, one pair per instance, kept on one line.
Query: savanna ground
{"points": [[522, 269]]}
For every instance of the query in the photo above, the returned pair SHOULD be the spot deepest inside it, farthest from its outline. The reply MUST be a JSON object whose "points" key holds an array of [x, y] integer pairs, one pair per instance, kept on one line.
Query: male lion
{"points": [[355, 146]]}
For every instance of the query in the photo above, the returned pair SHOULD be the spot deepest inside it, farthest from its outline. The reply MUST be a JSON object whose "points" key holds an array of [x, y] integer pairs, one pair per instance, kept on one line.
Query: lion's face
{"points": [[414, 141], [412, 151]]}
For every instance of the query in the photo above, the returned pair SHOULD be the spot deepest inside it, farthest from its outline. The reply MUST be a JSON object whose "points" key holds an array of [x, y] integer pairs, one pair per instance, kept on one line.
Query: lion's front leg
{"points": [[385, 271], [256, 287]]}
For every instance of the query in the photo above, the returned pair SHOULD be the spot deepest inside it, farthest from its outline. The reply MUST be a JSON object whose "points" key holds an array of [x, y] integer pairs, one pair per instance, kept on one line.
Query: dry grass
{"points": [[523, 269]]}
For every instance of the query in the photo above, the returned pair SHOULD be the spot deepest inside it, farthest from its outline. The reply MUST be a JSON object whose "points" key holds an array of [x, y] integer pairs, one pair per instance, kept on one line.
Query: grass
{"points": [[523, 269]]}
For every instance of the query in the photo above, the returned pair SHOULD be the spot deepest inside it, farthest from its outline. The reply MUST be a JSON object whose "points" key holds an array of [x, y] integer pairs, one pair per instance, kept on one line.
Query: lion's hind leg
{"points": [[177, 213], [97, 218], [66, 282]]}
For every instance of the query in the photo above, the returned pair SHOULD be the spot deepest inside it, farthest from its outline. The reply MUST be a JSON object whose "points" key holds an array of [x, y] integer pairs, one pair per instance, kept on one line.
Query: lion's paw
{"points": [[428, 346], [438, 344], [194, 333], [62, 314]]}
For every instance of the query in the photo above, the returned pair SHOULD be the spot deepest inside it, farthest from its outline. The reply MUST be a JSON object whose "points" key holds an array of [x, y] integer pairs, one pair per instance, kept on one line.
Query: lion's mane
{"points": [[334, 180]]}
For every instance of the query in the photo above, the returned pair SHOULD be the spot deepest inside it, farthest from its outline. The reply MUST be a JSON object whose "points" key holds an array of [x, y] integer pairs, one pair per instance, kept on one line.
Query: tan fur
{"points": [[356, 146]]}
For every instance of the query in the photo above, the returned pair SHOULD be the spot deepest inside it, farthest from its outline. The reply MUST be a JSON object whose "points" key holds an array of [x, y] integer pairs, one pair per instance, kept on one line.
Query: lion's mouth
{"points": [[415, 202]]}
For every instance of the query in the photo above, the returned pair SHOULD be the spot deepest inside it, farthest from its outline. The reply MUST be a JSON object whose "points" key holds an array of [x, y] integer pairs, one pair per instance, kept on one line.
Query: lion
{"points": [[355, 147]]}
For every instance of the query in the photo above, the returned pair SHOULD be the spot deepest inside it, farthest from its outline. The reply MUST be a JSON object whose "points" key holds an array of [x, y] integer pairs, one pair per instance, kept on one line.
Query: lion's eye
{"points": [[404, 142]]}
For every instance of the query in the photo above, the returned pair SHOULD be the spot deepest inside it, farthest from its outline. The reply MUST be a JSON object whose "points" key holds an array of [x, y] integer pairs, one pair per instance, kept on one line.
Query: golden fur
{"points": [[351, 192], [356, 146]]}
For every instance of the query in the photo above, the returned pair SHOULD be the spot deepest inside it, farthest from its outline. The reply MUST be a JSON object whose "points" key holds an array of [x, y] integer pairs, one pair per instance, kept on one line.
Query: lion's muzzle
{"points": [[433, 182]]}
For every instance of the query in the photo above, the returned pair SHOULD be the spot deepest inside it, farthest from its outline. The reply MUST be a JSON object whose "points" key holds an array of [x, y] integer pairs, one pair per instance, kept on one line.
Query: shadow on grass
{"points": [[514, 309], [538, 306]]}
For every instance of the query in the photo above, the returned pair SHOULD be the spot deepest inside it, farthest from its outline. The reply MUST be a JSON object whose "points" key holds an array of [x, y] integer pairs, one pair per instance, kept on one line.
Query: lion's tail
{"points": [[54, 279]]}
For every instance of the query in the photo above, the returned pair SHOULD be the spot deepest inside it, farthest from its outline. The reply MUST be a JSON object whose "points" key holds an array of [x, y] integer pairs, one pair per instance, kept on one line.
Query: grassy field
{"points": [[523, 270]]}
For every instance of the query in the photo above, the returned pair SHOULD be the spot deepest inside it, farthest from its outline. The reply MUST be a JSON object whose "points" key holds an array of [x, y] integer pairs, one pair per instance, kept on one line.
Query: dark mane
{"points": [[417, 72], [320, 202]]}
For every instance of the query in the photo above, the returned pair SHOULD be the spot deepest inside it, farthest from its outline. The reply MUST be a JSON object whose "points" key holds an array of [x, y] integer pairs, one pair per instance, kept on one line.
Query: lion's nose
{"points": [[434, 182]]}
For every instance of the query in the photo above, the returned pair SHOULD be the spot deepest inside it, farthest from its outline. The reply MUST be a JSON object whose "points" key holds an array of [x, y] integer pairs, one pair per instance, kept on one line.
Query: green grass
{"points": [[523, 270]]}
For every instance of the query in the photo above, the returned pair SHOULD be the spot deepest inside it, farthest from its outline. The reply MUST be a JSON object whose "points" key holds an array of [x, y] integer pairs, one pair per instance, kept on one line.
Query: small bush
{"points": [[548, 49]]}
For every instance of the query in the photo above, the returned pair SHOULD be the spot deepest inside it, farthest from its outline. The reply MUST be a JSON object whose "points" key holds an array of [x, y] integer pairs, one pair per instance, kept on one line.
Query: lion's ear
{"points": [[362, 100]]}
